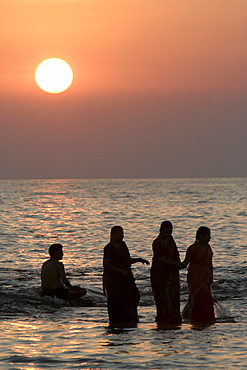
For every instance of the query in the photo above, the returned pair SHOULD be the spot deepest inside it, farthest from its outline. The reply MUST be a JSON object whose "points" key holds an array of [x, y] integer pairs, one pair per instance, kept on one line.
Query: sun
{"points": [[54, 75]]}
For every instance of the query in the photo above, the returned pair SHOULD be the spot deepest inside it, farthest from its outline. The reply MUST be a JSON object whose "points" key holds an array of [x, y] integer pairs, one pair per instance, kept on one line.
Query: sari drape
{"points": [[121, 291], [199, 279], [165, 282]]}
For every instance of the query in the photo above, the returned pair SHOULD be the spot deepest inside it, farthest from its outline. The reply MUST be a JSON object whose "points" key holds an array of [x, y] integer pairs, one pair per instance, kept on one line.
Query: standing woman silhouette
{"points": [[200, 277], [118, 280], [165, 276]]}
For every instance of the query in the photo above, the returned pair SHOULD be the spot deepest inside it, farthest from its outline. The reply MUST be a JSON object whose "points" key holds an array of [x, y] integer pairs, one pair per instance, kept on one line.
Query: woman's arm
{"points": [[62, 275], [212, 271], [164, 262], [187, 259], [107, 264], [159, 255], [185, 262]]}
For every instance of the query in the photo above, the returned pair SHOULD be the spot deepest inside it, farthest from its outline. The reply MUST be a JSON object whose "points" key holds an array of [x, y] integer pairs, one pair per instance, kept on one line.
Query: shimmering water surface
{"points": [[44, 333]]}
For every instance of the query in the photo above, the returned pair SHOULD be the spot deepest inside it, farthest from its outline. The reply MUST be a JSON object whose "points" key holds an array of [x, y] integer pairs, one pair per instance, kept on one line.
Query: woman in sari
{"points": [[118, 280], [200, 277], [165, 276]]}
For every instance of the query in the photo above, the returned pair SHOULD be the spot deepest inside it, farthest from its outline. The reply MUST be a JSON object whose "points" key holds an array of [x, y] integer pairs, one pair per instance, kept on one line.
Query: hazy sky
{"points": [[159, 89]]}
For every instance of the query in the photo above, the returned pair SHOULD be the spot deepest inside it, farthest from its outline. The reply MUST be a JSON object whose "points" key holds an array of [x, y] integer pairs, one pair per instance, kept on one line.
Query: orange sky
{"points": [[161, 75]]}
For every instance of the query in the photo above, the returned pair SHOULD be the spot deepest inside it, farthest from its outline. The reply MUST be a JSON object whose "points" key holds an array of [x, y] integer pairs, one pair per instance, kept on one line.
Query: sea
{"points": [[39, 333]]}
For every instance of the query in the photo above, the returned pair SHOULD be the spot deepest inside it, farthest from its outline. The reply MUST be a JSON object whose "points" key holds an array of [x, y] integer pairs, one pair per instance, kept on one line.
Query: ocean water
{"points": [[39, 332]]}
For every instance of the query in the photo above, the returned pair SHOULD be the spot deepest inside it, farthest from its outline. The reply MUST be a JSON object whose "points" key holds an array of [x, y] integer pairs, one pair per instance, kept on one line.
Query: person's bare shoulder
{"points": [[50, 265], [45, 264]]}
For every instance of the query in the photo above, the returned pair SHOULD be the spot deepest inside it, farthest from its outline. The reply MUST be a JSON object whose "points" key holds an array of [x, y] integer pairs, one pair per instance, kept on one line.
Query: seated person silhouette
{"points": [[53, 278]]}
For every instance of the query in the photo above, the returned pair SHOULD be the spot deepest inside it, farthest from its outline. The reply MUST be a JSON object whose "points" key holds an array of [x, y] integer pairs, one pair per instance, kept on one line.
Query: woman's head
{"points": [[166, 229], [117, 232], [166, 225], [201, 232]]}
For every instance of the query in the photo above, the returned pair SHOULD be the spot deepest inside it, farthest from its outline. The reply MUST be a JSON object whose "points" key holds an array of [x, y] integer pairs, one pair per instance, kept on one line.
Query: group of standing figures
{"points": [[121, 291]]}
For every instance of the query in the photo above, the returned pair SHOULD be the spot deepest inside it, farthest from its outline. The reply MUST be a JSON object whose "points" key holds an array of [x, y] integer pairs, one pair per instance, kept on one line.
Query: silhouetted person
{"points": [[53, 278], [118, 280], [165, 276], [200, 277]]}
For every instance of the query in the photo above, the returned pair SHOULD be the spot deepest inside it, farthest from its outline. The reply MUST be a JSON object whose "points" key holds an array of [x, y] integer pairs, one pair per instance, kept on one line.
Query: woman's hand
{"points": [[184, 264], [142, 260]]}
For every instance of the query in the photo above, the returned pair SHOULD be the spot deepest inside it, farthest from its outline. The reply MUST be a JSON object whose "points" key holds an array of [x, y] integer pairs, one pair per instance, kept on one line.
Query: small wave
{"points": [[32, 303], [25, 359], [221, 312], [243, 213]]}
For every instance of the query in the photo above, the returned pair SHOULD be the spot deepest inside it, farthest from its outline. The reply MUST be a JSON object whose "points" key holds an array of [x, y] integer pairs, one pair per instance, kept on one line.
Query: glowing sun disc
{"points": [[54, 75]]}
